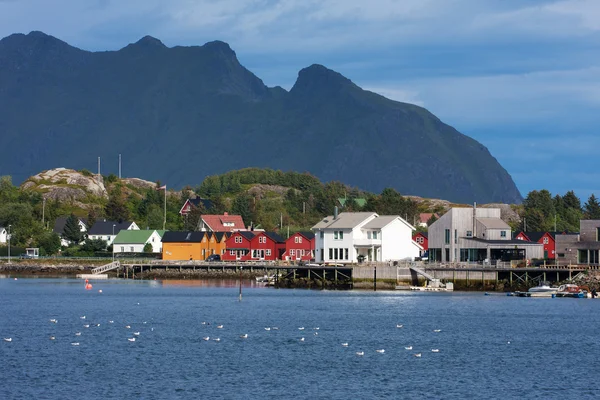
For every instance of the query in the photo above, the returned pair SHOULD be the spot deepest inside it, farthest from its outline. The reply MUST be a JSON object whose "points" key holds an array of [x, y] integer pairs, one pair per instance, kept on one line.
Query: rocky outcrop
{"points": [[139, 183], [66, 185]]}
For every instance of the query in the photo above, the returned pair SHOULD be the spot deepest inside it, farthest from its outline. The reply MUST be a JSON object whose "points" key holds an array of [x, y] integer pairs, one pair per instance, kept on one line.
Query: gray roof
{"points": [[493, 223], [380, 221], [345, 220]]}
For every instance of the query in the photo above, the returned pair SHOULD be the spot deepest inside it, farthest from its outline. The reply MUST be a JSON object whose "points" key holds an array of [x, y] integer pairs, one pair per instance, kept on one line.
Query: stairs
{"points": [[106, 268], [422, 273]]}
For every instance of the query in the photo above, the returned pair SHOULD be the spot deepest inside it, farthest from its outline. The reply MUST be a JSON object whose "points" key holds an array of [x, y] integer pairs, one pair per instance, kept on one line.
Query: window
{"points": [[331, 254], [335, 235], [447, 236], [346, 254], [341, 235], [292, 253], [262, 239], [335, 254], [374, 234], [238, 239], [502, 233], [455, 240], [321, 234], [232, 252], [546, 240], [268, 252], [122, 249], [131, 249], [296, 239], [368, 234], [420, 240], [203, 252], [299, 239]]}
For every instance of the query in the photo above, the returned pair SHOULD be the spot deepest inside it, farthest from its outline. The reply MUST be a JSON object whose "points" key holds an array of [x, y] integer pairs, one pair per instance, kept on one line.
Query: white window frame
{"points": [[268, 252]]}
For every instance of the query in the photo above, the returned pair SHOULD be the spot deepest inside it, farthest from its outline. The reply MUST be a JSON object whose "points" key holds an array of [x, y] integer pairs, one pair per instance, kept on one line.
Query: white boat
{"points": [[435, 285], [265, 279], [542, 290], [570, 290]]}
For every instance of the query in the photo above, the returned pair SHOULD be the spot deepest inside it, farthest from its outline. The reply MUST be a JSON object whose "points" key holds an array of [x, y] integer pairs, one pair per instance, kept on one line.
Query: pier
{"points": [[387, 275]]}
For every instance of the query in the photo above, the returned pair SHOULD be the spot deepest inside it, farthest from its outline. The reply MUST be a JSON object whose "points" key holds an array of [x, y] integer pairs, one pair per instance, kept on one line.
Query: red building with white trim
{"points": [[300, 246], [237, 246], [548, 239], [423, 241], [267, 246]]}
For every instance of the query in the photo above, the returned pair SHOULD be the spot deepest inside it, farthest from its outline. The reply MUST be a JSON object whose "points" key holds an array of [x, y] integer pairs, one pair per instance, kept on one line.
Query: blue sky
{"points": [[520, 76]]}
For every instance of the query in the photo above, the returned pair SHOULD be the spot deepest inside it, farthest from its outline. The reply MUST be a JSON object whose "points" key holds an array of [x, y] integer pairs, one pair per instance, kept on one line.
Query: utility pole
{"points": [[241, 283], [119, 166], [98, 167], [44, 210]]}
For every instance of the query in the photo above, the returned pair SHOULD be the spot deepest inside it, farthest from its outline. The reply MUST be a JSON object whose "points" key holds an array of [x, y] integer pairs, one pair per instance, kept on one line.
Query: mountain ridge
{"points": [[182, 113]]}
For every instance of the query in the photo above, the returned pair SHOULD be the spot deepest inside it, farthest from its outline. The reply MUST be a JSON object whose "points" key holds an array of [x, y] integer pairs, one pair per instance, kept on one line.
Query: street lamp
{"points": [[9, 243], [113, 243]]}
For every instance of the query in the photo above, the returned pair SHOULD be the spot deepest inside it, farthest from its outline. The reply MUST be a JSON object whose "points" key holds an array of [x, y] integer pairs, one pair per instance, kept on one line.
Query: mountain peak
{"points": [[318, 78], [149, 41]]}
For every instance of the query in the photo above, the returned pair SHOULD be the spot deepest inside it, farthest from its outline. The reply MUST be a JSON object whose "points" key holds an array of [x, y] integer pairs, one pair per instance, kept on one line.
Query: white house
{"points": [[348, 237], [59, 228], [3, 235], [134, 241], [108, 230]]}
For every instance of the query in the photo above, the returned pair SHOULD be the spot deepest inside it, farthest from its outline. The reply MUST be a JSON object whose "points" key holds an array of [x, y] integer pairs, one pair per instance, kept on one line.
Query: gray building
{"points": [[476, 235], [582, 247]]}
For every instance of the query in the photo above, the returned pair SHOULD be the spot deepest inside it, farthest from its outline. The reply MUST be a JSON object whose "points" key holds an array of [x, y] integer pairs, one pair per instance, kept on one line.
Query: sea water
{"points": [[489, 346]]}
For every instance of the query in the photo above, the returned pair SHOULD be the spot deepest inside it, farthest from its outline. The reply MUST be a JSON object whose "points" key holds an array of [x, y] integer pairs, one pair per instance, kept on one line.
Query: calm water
{"points": [[553, 350]]}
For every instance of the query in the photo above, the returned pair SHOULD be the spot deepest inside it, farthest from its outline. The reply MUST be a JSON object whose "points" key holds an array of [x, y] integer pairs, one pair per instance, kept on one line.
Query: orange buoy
{"points": [[88, 286]]}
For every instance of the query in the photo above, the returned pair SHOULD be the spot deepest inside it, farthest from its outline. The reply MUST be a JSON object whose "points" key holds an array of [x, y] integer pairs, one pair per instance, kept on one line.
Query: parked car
{"points": [[213, 257], [26, 256]]}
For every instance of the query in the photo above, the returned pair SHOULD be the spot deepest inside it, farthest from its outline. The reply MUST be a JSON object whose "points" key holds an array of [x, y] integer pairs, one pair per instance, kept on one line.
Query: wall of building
{"points": [[396, 242], [181, 251]]}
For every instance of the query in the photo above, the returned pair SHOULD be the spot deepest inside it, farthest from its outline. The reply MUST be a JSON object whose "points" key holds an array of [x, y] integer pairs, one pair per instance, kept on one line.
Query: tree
{"points": [[94, 245], [115, 209], [241, 206], [591, 209], [50, 242], [148, 248], [72, 231], [570, 200], [193, 217]]}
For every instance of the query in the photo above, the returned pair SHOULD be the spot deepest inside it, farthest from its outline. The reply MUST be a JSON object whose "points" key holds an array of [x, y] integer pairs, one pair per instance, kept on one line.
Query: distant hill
{"points": [[179, 114]]}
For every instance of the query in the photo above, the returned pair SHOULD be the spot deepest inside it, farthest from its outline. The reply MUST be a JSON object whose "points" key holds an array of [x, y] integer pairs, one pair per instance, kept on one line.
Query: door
{"points": [[546, 254]]}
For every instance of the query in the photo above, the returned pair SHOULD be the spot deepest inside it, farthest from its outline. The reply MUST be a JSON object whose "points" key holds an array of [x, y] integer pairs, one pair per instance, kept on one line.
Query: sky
{"points": [[520, 76]]}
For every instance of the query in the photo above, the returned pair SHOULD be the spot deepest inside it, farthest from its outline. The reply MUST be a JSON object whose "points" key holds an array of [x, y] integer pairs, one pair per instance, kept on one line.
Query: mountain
{"points": [[179, 114]]}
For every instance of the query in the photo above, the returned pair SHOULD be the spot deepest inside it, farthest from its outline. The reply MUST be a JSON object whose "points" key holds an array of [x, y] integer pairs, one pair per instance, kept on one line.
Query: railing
{"points": [[367, 242], [106, 268]]}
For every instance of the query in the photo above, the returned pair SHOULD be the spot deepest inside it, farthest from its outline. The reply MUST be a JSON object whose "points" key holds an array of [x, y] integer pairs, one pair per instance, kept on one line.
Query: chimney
{"points": [[335, 212]]}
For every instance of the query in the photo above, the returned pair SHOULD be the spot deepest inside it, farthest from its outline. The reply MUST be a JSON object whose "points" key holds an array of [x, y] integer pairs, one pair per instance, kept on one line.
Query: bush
{"points": [[87, 173]]}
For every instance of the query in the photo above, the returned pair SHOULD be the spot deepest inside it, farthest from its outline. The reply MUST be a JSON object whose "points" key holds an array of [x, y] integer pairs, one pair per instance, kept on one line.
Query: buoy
{"points": [[100, 291], [88, 286]]}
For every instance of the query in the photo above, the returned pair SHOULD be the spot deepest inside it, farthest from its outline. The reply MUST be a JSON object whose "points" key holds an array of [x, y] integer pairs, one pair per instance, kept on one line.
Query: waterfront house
{"points": [[363, 236], [472, 234], [134, 241], [421, 239], [189, 203], [547, 239], [59, 228], [267, 246], [221, 223], [177, 245], [580, 248], [300, 246], [238, 245], [108, 230], [3, 235]]}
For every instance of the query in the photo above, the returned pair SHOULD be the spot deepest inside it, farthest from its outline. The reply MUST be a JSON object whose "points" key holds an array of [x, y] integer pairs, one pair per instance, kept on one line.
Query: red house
{"points": [[421, 238], [300, 246], [548, 239], [237, 246], [267, 246]]}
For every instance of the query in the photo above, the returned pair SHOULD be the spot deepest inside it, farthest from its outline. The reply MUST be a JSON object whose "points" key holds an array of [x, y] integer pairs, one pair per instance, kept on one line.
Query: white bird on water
{"points": [[344, 344], [86, 326], [437, 330], [127, 327], [417, 355], [52, 338], [75, 344], [8, 339], [132, 339], [244, 336], [408, 347], [77, 333], [381, 351], [399, 325], [206, 338], [111, 322], [217, 339], [302, 339], [435, 350], [301, 328], [219, 326], [53, 320], [82, 317], [360, 353], [267, 329], [136, 333]]}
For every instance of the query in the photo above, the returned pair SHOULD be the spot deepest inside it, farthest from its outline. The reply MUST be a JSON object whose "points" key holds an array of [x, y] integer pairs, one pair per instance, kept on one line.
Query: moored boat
{"points": [[542, 290], [571, 290]]}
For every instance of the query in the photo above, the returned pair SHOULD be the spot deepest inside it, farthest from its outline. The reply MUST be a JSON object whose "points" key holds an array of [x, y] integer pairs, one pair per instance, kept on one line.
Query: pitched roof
{"points": [[133, 236], [537, 236], [219, 235], [246, 234], [358, 201], [308, 235], [493, 223], [274, 236], [106, 227], [345, 220], [225, 222], [424, 217], [183, 236], [161, 232], [205, 202], [59, 224], [424, 234]]}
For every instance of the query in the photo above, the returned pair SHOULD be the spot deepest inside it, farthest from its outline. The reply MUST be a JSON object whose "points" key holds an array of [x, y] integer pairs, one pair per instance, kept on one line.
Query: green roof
{"points": [[160, 232], [133, 236]]}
